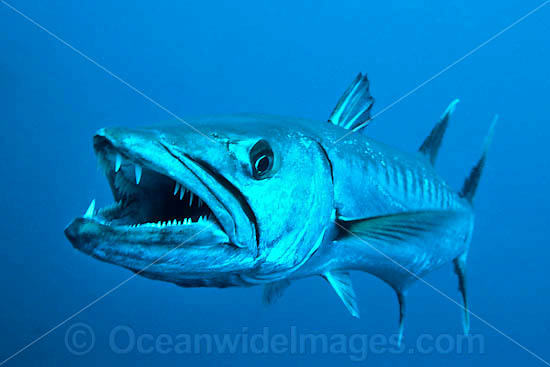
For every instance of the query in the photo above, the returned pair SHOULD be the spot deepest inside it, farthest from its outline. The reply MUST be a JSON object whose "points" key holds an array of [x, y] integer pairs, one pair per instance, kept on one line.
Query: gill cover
{"points": [[277, 174], [291, 195]]}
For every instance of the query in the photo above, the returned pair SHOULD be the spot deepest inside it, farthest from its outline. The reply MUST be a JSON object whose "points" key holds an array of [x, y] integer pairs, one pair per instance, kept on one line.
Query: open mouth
{"points": [[162, 195], [145, 197]]}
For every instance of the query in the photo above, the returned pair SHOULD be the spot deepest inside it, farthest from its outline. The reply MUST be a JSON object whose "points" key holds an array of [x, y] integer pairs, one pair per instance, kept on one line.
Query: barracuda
{"points": [[249, 200]]}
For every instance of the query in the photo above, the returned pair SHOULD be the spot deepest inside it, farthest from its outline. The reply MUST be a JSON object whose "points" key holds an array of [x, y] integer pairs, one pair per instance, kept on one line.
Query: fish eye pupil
{"points": [[262, 164], [261, 159]]}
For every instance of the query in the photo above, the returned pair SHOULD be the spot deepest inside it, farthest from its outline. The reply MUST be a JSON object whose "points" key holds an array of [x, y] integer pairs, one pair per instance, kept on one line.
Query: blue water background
{"points": [[289, 58]]}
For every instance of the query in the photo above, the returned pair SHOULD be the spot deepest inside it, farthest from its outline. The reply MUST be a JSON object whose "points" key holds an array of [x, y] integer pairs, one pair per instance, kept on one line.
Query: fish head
{"points": [[234, 200]]}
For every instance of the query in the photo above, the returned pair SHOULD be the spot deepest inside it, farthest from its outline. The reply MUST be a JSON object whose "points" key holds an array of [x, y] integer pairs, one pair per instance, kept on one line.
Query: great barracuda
{"points": [[265, 200]]}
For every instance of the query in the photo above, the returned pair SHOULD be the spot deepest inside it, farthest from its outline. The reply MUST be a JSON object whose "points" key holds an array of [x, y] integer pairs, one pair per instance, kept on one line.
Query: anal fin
{"points": [[341, 283]]}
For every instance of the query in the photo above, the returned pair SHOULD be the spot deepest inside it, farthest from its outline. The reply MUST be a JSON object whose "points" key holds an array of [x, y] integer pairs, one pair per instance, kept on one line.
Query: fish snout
{"points": [[79, 238]]}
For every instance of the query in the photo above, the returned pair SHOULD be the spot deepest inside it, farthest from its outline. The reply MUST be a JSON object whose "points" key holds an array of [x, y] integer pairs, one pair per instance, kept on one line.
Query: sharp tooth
{"points": [[118, 162], [190, 198], [182, 192], [177, 188], [91, 210], [138, 173]]}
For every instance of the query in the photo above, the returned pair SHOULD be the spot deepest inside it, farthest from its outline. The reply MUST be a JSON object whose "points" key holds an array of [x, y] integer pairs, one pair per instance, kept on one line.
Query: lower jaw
{"points": [[86, 234], [187, 256]]}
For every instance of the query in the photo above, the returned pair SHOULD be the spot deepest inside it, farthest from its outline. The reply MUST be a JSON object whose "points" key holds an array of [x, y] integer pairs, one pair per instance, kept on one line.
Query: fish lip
{"points": [[82, 233], [108, 142]]}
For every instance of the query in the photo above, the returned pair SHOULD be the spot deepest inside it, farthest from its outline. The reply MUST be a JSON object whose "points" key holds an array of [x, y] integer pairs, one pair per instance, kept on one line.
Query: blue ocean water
{"points": [[290, 58]]}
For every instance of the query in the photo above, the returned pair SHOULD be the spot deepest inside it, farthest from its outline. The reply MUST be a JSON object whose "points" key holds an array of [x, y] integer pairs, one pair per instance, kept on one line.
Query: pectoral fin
{"points": [[341, 283], [418, 232], [401, 228]]}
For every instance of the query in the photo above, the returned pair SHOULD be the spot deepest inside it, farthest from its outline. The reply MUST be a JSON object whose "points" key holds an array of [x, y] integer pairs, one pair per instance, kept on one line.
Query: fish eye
{"points": [[261, 159]]}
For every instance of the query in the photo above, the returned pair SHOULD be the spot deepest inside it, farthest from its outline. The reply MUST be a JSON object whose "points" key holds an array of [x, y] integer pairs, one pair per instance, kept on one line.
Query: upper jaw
{"points": [[144, 161]]}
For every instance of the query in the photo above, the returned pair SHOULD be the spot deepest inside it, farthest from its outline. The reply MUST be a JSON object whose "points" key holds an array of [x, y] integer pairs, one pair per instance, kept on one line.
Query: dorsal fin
{"points": [[470, 184], [353, 108], [431, 144]]}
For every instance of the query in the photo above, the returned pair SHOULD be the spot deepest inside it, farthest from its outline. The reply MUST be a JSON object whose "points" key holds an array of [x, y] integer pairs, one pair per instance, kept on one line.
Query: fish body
{"points": [[243, 200]]}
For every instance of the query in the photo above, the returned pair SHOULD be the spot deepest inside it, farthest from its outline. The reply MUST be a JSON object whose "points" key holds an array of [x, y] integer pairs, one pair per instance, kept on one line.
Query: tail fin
{"points": [[470, 184]]}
